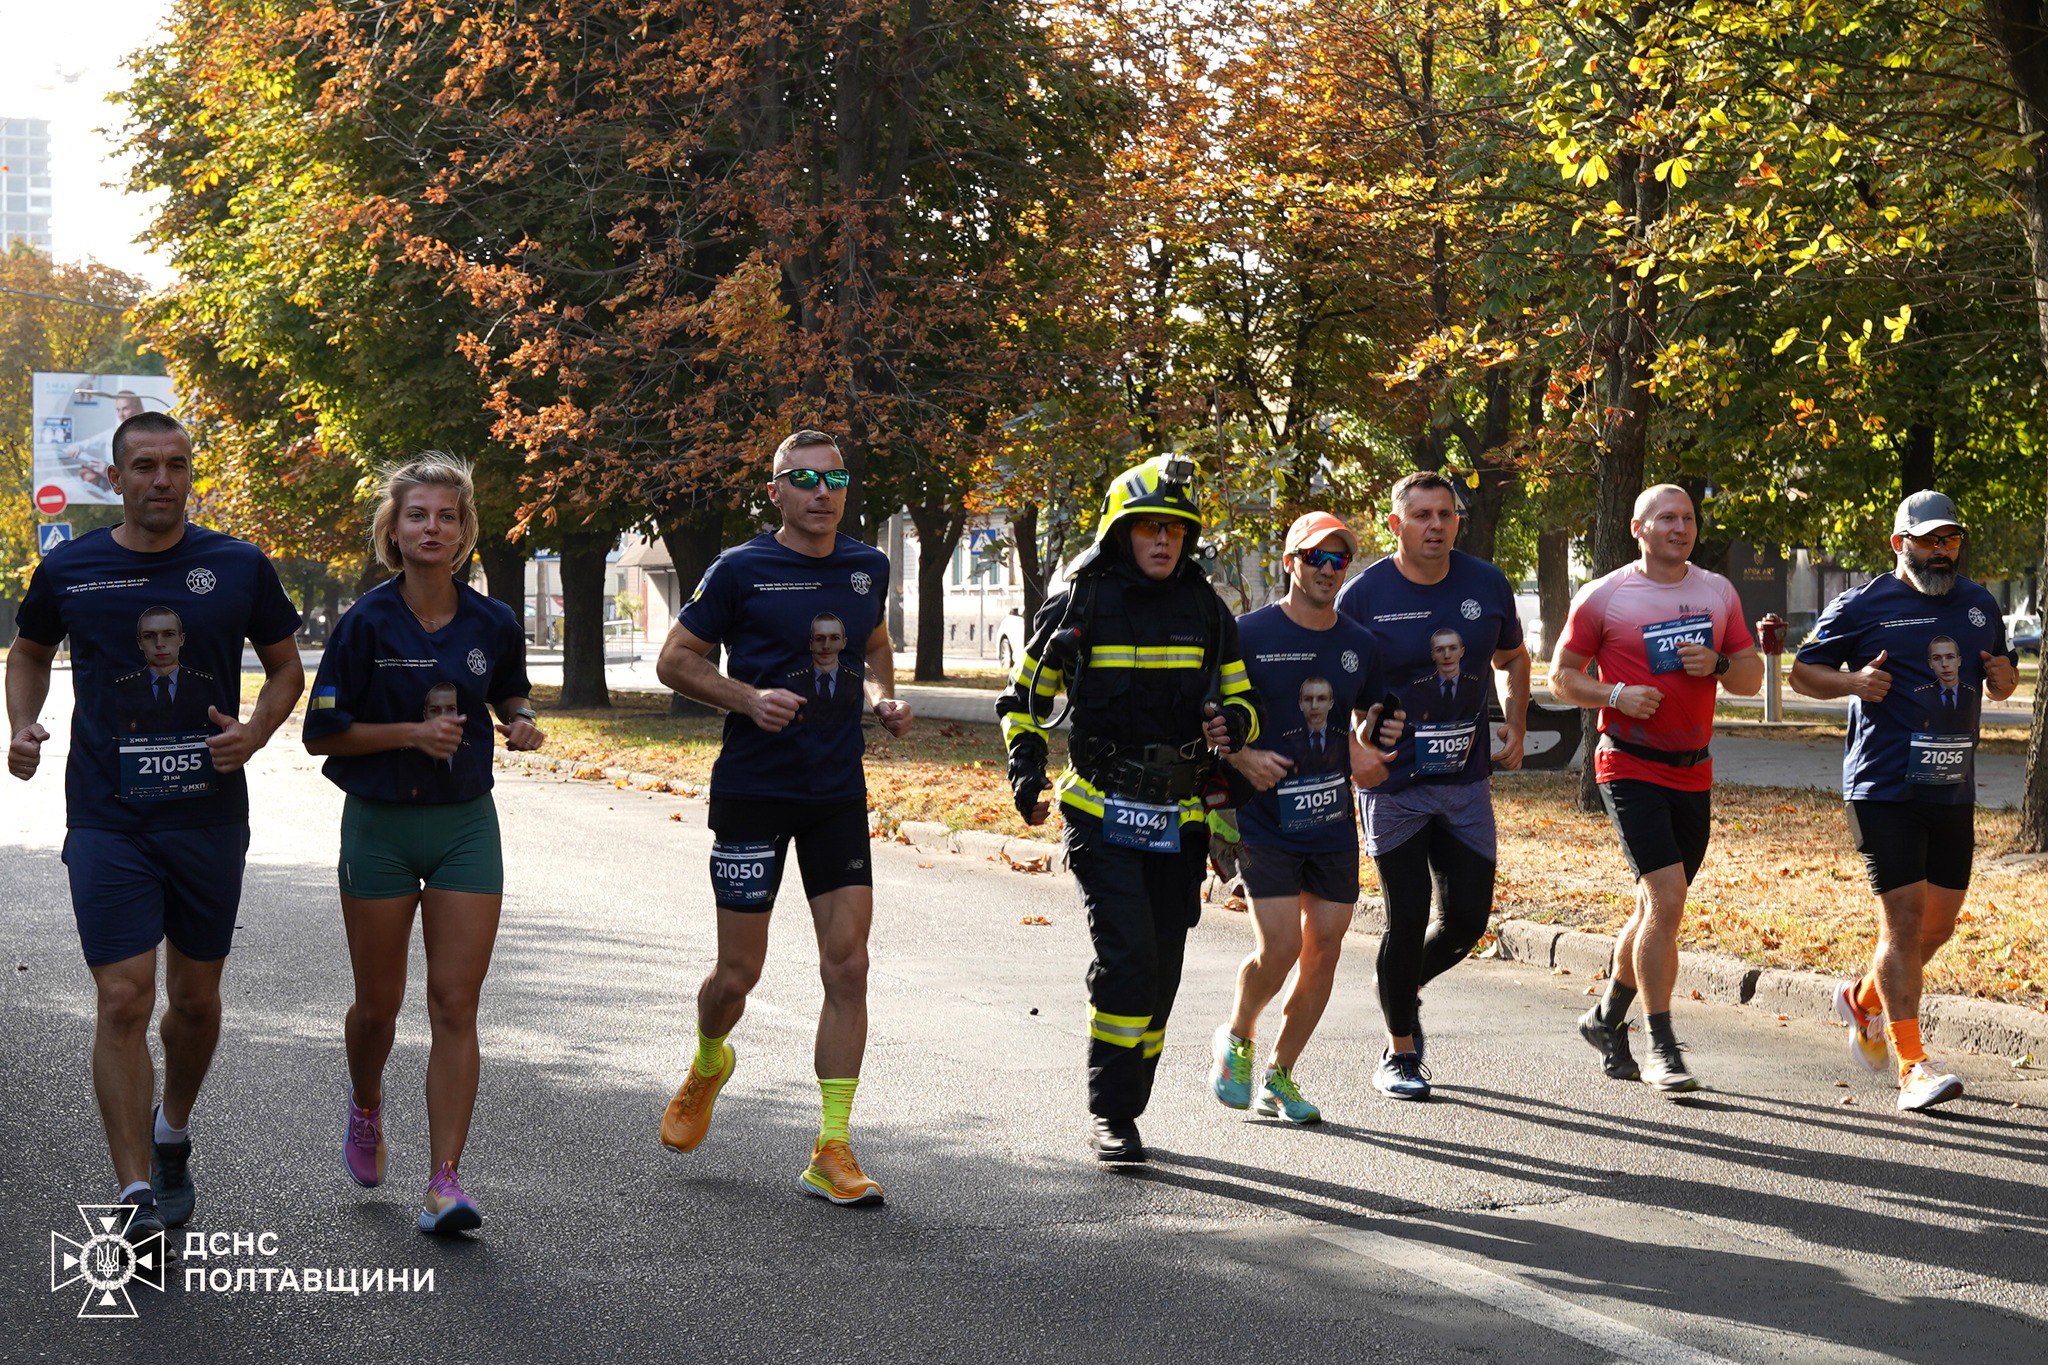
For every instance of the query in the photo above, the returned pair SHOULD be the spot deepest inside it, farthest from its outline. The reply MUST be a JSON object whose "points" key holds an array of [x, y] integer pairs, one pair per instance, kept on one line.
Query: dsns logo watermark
{"points": [[106, 1261]]}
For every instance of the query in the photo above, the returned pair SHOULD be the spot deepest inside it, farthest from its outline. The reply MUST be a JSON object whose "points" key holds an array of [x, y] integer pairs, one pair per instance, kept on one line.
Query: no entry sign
{"points": [[50, 500]]}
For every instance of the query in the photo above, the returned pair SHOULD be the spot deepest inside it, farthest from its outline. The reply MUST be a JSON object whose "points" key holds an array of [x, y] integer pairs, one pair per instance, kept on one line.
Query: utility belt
{"points": [[1153, 773], [1670, 758]]}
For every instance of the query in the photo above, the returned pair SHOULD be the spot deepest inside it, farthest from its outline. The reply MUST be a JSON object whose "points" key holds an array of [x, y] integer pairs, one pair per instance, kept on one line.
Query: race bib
{"points": [[1661, 641], [1939, 760], [743, 875], [1136, 824], [1313, 802], [1442, 746], [166, 767]]}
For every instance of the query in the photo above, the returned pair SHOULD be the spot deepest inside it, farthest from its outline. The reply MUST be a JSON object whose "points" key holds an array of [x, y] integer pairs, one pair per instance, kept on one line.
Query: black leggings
{"points": [[1416, 949]]}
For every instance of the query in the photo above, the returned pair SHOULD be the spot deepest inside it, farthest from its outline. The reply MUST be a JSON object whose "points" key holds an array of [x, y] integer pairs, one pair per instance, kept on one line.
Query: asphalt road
{"points": [[1531, 1212]]}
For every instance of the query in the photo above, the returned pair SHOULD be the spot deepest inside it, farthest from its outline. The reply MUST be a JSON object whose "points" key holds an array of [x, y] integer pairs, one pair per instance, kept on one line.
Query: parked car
{"points": [[1010, 639], [2023, 633]]}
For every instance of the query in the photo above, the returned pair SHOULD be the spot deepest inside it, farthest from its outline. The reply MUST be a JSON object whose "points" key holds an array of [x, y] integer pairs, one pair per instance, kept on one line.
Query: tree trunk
{"points": [[939, 528], [1553, 583], [1024, 530], [2019, 29], [505, 573], [1916, 457], [583, 685], [692, 544]]}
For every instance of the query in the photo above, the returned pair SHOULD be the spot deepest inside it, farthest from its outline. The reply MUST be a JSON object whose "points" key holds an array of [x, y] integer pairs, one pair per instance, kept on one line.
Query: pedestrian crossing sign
{"points": [[51, 534]]}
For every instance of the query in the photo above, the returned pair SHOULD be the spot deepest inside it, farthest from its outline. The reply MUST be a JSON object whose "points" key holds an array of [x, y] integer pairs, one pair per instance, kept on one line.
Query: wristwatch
{"points": [[526, 713], [1721, 662]]}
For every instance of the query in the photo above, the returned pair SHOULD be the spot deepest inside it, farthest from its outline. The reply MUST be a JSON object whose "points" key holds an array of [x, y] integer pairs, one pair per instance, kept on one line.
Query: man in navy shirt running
{"points": [[157, 807], [1911, 650], [785, 605], [1429, 827]]}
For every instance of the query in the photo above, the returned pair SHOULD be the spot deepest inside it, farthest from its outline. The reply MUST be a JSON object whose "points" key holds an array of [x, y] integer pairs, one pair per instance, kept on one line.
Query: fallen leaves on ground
{"points": [[1034, 919], [1041, 863]]}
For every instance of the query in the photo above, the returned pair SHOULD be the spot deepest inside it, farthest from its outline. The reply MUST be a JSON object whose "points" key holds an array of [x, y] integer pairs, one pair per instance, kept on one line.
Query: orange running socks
{"points": [[1905, 1036], [1866, 996]]}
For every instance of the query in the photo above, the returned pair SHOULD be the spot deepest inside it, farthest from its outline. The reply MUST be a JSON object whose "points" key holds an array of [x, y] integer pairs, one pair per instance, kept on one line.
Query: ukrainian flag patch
{"points": [[323, 699]]}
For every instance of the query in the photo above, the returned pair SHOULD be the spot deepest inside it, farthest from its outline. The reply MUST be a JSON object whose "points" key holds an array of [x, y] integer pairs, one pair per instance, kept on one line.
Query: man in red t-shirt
{"points": [[1662, 632]]}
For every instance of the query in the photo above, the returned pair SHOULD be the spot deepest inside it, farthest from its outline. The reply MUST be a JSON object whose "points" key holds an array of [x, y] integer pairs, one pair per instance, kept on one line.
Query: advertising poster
{"points": [[75, 417]]}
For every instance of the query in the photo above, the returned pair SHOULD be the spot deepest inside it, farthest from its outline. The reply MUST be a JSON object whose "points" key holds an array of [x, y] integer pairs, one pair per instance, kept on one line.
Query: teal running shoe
{"points": [[1281, 1098], [1231, 1076]]}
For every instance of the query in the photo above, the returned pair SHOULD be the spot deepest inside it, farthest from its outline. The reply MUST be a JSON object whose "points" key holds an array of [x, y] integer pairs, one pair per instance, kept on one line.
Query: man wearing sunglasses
{"points": [[1300, 831], [784, 605], [1429, 827], [1911, 650]]}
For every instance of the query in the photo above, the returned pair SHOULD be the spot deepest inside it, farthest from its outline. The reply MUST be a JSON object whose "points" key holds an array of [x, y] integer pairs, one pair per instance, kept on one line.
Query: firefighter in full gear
{"points": [[1148, 658]]}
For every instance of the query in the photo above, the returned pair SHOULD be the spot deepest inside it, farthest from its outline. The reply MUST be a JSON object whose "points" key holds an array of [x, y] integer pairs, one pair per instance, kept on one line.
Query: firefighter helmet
{"points": [[1160, 487]]}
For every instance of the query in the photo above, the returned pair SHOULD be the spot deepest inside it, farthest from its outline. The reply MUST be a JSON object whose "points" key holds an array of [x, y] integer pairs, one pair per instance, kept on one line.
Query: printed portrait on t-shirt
{"points": [[1447, 691], [164, 696], [829, 683], [443, 699], [1950, 703], [1318, 746]]}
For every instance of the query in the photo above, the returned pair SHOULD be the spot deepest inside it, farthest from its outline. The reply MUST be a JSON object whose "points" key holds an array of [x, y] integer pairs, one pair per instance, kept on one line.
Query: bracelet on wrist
{"points": [[1614, 697]]}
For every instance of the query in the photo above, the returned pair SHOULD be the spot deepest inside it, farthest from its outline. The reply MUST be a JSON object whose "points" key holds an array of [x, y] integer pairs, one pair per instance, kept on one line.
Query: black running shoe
{"points": [[1116, 1140], [1611, 1043], [1667, 1071], [170, 1180]]}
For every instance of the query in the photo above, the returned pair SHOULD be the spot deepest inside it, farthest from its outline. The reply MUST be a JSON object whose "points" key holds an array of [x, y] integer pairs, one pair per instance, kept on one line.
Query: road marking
{"points": [[1512, 1296]]}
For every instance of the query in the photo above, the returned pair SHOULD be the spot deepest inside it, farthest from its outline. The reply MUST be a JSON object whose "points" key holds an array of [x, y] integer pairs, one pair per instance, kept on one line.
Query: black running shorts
{"points": [[1903, 842], [1274, 873], [751, 845], [1658, 825]]}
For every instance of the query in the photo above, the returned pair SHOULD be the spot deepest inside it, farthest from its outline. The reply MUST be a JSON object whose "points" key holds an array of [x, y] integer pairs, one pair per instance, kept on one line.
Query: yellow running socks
{"points": [[837, 1104], [710, 1053]]}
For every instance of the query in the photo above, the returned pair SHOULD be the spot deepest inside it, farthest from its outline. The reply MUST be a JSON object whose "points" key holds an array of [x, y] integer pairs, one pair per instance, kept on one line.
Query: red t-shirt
{"points": [[1621, 621]]}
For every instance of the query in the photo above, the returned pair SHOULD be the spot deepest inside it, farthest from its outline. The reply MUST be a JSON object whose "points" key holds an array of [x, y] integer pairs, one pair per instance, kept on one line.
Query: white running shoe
{"points": [[1925, 1085]]}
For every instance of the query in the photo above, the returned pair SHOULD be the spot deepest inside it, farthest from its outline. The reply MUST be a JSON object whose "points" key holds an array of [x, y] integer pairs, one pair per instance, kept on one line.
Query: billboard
{"points": [[75, 417]]}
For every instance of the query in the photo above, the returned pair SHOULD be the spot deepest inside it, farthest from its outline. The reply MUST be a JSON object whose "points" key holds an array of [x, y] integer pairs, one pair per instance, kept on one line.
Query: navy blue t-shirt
{"points": [[800, 623], [1311, 681], [1468, 616], [383, 667], [1920, 742], [156, 639]]}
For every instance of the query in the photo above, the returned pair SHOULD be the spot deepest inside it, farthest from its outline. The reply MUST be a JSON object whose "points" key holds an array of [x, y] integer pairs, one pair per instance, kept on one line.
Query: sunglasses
{"points": [[808, 479], [1325, 559], [1951, 541]]}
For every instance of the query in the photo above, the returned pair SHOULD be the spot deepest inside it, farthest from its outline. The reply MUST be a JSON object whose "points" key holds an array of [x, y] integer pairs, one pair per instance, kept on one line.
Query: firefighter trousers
{"points": [[1140, 907]]}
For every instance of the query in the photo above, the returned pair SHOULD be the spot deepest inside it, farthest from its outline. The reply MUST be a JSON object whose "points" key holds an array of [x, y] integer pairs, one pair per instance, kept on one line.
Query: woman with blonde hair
{"points": [[399, 711]]}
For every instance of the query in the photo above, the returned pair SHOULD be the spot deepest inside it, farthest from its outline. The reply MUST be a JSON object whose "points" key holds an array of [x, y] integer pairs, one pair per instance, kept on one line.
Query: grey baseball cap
{"points": [[1925, 511]]}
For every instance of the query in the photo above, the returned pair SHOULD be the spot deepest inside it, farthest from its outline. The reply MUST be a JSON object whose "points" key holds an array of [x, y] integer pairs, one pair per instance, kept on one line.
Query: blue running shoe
{"points": [[1280, 1098], [1231, 1076], [1401, 1076], [170, 1178]]}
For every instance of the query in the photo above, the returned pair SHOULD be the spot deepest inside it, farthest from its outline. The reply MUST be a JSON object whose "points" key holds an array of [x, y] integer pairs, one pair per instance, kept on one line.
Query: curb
{"points": [[1954, 1021]]}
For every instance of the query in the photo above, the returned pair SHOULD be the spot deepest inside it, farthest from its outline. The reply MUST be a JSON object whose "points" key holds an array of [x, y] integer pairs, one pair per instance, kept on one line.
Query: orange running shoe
{"points": [[833, 1174], [689, 1113]]}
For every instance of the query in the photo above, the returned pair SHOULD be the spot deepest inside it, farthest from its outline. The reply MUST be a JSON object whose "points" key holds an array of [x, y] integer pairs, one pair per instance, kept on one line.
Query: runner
{"points": [[401, 711], [1300, 835], [1662, 632], [1429, 826], [157, 806], [1922, 646], [1149, 659], [785, 606]]}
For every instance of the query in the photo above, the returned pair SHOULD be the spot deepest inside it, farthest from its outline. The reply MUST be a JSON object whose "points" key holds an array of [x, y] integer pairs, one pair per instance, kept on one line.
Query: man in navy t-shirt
{"points": [[1912, 651], [1438, 614], [157, 807], [787, 607], [1300, 835]]}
